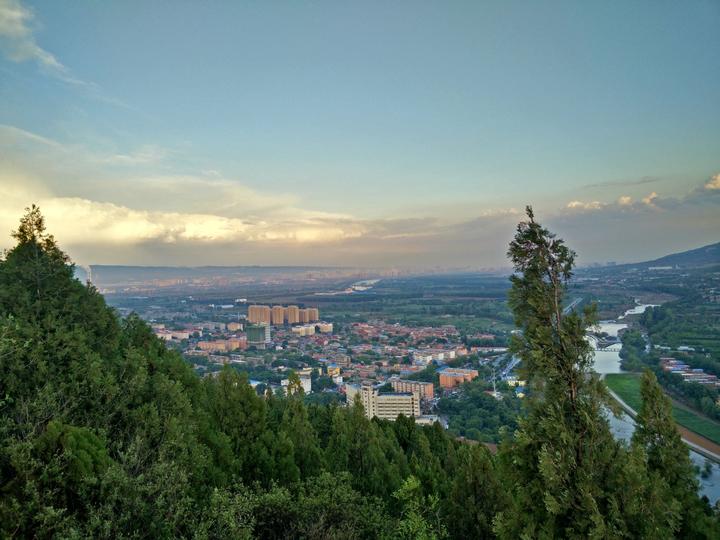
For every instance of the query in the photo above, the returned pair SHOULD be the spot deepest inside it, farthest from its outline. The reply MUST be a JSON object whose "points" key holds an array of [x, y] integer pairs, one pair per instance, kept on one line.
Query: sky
{"points": [[391, 134]]}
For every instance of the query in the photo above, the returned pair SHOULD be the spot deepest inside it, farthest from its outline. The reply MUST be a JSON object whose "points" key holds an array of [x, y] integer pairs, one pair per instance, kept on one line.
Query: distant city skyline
{"points": [[359, 134]]}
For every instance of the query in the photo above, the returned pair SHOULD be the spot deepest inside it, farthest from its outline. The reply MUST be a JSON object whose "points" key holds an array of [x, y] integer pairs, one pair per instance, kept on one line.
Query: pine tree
{"points": [[476, 494], [563, 465], [668, 458], [296, 425]]}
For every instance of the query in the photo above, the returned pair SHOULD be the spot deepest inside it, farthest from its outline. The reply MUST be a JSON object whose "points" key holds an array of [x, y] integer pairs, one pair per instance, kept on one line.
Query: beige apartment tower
{"points": [[313, 314], [278, 315], [259, 314], [292, 314], [304, 316]]}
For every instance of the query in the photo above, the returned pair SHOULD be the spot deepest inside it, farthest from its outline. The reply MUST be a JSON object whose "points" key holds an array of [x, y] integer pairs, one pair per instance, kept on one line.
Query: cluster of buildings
{"points": [[234, 343], [696, 375], [281, 315], [371, 361], [426, 357], [425, 344], [382, 329], [169, 335], [310, 329], [389, 405]]}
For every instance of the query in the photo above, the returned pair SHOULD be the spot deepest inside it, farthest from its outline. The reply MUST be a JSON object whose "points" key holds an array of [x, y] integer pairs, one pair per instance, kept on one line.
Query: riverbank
{"points": [[699, 433]]}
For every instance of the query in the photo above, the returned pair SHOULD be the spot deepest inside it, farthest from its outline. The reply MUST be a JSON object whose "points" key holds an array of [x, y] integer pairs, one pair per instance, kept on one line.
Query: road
{"points": [[572, 305], [505, 372]]}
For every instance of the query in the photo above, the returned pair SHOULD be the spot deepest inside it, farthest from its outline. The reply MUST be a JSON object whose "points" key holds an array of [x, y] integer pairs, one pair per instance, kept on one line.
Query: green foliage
{"points": [[105, 433], [476, 415], [667, 456], [566, 475], [657, 435], [632, 352], [420, 516], [476, 494]]}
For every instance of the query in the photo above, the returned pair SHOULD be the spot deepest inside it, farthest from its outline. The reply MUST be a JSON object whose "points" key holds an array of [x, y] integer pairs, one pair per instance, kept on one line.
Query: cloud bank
{"points": [[115, 207]]}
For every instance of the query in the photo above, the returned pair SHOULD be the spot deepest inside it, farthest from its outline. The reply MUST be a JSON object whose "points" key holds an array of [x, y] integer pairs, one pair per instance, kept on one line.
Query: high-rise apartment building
{"points": [[278, 315], [257, 335], [313, 314], [259, 314], [292, 314], [304, 316]]}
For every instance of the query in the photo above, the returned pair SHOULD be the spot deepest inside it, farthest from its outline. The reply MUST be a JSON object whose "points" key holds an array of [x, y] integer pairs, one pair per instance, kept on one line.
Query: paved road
{"points": [[572, 305]]}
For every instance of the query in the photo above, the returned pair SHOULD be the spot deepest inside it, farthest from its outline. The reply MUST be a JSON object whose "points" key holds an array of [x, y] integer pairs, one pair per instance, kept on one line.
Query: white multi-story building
{"points": [[387, 406]]}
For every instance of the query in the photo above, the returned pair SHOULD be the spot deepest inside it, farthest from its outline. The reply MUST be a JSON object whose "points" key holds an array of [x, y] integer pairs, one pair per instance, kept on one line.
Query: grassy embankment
{"points": [[627, 386]]}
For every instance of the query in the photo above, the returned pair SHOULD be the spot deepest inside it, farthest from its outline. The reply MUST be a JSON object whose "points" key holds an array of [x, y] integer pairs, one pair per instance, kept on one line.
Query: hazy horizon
{"points": [[366, 135]]}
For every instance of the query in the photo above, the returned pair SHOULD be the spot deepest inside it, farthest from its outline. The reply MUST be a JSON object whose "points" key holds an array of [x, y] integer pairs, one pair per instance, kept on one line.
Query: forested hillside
{"points": [[105, 433]]}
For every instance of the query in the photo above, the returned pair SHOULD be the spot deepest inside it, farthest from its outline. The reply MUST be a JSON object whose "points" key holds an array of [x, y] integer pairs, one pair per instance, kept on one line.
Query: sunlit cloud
{"points": [[651, 199], [129, 206], [713, 183], [77, 221], [580, 205]]}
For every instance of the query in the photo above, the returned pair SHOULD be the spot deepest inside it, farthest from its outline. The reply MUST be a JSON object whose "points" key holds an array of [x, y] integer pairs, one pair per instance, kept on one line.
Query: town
{"points": [[391, 368]]}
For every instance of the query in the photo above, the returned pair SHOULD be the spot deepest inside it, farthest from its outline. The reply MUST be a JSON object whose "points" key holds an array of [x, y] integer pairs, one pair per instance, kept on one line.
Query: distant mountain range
{"points": [[703, 256], [109, 275]]}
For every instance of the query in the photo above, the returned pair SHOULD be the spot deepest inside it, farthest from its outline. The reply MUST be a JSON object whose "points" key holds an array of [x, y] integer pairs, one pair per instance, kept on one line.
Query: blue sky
{"points": [[403, 133]]}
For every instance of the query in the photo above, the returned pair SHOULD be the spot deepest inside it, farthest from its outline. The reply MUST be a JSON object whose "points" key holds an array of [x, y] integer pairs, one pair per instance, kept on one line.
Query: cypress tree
{"points": [[563, 467], [668, 458]]}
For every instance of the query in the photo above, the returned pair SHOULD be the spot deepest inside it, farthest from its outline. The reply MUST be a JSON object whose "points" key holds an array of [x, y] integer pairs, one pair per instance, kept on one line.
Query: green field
{"points": [[627, 386]]}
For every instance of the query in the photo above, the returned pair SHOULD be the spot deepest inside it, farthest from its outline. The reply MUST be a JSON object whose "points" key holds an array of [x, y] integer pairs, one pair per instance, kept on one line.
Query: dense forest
{"points": [[106, 433]]}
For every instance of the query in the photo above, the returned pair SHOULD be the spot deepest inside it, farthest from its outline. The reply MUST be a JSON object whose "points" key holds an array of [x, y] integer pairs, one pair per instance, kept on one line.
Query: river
{"points": [[623, 427]]}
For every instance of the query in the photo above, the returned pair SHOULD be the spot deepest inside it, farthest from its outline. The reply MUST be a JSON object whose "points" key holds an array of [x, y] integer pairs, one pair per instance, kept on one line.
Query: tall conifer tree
{"points": [[668, 458], [564, 467]]}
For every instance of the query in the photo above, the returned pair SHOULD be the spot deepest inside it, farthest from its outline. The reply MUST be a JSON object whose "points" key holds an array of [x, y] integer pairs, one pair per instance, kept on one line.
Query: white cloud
{"points": [[713, 183], [18, 43], [651, 199], [144, 155], [625, 200], [580, 205], [77, 221], [17, 37], [11, 135]]}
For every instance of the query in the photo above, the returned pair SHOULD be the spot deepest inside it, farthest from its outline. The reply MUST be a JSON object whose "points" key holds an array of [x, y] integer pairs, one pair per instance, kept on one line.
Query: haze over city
{"points": [[362, 134]]}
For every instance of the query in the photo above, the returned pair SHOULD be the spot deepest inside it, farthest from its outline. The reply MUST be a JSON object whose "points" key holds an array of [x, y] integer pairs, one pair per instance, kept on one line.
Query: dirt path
{"points": [[698, 440]]}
